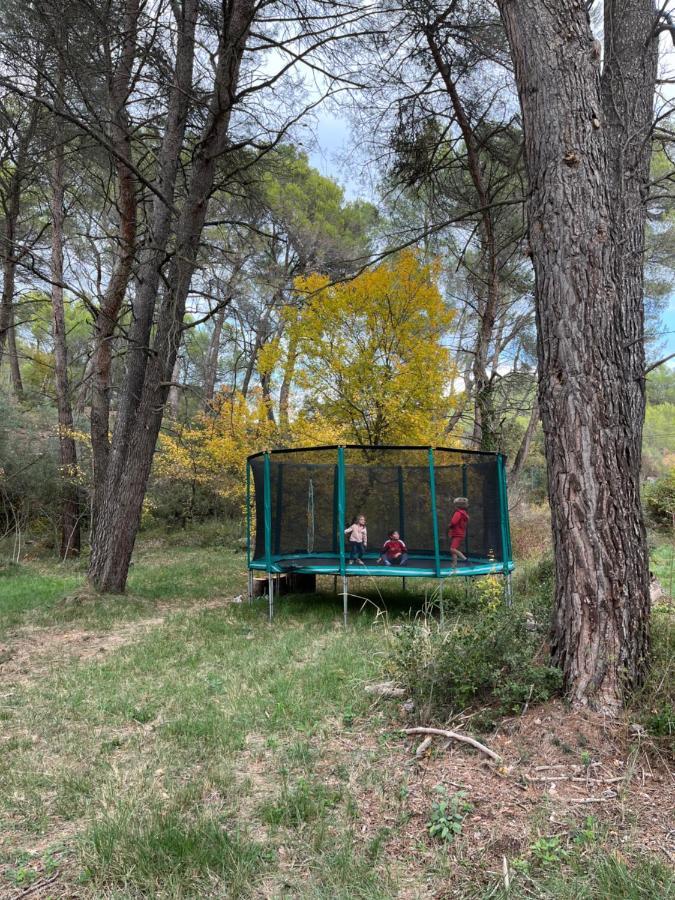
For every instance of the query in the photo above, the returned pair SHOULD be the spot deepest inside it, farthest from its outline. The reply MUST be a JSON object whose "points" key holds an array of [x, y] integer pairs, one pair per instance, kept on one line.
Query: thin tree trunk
{"points": [[9, 249], [70, 504], [286, 383], [14, 364], [586, 377], [211, 368], [173, 399], [525, 444], [483, 432], [133, 447], [111, 302]]}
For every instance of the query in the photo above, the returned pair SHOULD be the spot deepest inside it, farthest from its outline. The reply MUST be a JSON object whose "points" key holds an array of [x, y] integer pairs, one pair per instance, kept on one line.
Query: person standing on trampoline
{"points": [[358, 539], [457, 529]]}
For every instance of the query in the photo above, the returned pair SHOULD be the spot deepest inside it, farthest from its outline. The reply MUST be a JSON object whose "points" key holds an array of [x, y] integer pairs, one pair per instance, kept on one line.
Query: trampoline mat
{"points": [[416, 566]]}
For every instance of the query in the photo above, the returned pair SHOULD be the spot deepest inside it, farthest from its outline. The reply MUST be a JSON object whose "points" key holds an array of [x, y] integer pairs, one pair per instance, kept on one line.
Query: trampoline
{"points": [[300, 500]]}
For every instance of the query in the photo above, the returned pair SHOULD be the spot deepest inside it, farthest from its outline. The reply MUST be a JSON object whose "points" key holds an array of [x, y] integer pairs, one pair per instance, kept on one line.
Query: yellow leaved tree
{"points": [[209, 454], [369, 356]]}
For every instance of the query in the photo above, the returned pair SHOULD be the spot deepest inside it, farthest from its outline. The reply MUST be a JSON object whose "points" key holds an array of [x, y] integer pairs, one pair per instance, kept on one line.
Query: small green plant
{"points": [[22, 875], [585, 758], [589, 833], [548, 851], [304, 801], [448, 814]]}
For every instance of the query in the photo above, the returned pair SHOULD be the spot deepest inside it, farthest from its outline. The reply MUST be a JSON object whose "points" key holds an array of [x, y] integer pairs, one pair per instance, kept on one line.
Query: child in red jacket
{"points": [[394, 551], [457, 529]]}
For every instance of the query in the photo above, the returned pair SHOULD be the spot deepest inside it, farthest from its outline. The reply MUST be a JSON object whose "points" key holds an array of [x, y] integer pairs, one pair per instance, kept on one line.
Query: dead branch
{"points": [[454, 736]]}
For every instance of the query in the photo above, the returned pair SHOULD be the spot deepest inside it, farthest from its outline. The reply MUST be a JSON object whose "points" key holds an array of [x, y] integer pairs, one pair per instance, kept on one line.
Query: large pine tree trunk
{"points": [[587, 377], [149, 374], [70, 503]]}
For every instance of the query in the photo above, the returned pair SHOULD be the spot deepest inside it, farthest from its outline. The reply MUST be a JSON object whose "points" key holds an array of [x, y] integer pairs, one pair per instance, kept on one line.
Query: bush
{"points": [[490, 654], [659, 498]]}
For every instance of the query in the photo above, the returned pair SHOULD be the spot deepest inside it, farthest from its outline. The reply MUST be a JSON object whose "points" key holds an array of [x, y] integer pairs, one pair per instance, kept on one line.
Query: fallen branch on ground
{"points": [[454, 736], [423, 747], [387, 689]]}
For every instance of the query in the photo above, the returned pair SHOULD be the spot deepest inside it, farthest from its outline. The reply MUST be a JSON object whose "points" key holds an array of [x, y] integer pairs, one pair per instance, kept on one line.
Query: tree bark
{"points": [[586, 377], [70, 502], [106, 319], [146, 386]]}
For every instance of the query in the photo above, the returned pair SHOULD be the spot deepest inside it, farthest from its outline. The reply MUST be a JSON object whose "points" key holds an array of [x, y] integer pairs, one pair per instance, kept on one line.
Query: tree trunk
{"points": [[483, 433], [70, 503], [586, 377], [111, 302], [173, 399], [286, 383], [525, 444], [146, 387], [211, 368], [13, 354], [9, 249]]}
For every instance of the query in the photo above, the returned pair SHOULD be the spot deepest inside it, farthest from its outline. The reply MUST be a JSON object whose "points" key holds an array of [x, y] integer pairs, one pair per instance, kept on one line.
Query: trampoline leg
{"points": [[335, 584], [440, 590], [270, 594], [508, 589], [345, 595], [404, 584], [250, 586]]}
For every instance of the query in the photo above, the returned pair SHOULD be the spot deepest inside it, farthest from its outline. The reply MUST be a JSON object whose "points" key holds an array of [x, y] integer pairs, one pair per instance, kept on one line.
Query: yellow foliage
{"points": [[372, 353], [212, 450]]}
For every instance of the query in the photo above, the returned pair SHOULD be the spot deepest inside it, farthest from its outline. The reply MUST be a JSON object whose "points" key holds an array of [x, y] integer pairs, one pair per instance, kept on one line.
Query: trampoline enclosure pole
{"points": [[267, 509], [503, 513], [434, 516], [341, 509], [465, 493], [401, 504], [248, 514]]}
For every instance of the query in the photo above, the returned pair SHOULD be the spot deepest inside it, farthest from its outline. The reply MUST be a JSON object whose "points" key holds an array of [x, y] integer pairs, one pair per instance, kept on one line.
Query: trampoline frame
{"points": [[441, 568]]}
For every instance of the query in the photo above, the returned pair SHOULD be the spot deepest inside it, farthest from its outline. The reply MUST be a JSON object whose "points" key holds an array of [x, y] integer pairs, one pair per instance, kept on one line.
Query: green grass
{"points": [[207, 753], [662, 561]]}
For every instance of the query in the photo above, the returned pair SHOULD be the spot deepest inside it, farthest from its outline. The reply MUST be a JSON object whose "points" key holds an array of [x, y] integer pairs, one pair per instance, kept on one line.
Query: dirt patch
{"points": [[559, 767], [29, 652], [33, 652]]}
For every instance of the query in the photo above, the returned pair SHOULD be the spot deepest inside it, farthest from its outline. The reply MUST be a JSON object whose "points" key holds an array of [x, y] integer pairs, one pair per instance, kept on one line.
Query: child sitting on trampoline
{"points": [[358, 539], [457, 529], [394, 551]]}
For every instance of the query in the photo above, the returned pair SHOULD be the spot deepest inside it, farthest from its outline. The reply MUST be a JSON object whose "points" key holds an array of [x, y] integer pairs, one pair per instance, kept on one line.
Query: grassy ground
{"points": [[173, 744]]}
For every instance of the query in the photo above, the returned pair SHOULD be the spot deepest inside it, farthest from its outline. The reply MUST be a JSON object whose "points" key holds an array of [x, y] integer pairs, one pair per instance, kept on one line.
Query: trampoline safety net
{"points": [[312, 495]]}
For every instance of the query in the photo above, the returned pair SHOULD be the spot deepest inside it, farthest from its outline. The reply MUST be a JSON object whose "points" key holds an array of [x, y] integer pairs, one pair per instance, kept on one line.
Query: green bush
{"points": [[490, 653], [659, 498]]}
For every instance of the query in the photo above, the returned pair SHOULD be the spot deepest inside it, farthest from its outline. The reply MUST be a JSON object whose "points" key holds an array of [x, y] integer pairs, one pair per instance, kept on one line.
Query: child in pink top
{"points": [[358, 539]]}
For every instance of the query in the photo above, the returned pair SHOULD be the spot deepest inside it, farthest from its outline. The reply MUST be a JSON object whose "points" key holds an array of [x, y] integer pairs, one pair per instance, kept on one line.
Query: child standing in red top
{"points": [[394, 551], [457, 529]]}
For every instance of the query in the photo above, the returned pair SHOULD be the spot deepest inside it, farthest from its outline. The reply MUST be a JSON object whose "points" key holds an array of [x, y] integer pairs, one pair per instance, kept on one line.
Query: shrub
{"points": [[489, 653], [659, 498]]}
